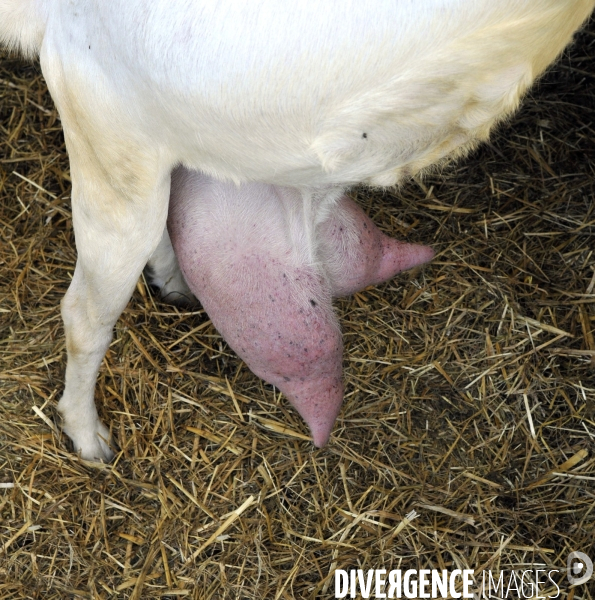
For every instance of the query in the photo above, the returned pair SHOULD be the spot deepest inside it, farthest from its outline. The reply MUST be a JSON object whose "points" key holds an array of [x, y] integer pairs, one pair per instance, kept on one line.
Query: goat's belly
{"points": [[316, 94]]}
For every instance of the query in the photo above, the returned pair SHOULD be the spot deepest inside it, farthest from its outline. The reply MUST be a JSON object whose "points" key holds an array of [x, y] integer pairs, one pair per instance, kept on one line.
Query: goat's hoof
{"points": [[92, 445]]}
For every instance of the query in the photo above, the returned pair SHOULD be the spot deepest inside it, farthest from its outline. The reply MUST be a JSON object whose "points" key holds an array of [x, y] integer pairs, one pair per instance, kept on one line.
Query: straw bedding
{"points": [[470, 389]]}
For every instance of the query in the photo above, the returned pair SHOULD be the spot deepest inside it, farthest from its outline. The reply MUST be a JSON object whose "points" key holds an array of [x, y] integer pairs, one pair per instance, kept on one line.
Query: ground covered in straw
{"points": [[470, 389]]}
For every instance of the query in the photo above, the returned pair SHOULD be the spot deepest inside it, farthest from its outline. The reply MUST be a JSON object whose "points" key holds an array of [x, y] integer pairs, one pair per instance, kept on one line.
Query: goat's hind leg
{"points": [[115, 236], [120, 195]]}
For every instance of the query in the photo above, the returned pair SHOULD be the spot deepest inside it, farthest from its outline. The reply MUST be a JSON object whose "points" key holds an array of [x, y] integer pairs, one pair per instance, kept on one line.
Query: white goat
{"points": [[312, 95]]}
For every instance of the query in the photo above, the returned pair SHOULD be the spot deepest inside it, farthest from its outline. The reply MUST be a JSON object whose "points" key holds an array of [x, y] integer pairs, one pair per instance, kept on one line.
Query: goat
{"points": [[310, 97]]}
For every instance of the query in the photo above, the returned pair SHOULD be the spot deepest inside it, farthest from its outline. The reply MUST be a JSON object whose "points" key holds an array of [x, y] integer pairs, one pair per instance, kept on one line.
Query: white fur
{"points": [[314, 95], [22, 25]]}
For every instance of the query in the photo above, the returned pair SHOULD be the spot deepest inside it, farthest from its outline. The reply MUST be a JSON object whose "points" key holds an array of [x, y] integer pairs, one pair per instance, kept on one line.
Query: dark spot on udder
{"points": [[286, 378], [364, 135], [312, 302]]}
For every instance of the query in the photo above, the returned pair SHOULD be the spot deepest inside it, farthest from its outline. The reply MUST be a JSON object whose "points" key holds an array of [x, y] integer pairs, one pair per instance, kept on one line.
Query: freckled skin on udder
{"points": [[292, 341], [360, 254], [274, 310]]}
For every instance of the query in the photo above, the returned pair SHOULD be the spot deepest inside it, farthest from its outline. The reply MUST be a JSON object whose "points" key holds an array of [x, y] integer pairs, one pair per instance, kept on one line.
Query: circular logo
{"points": [[580, 568]]}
